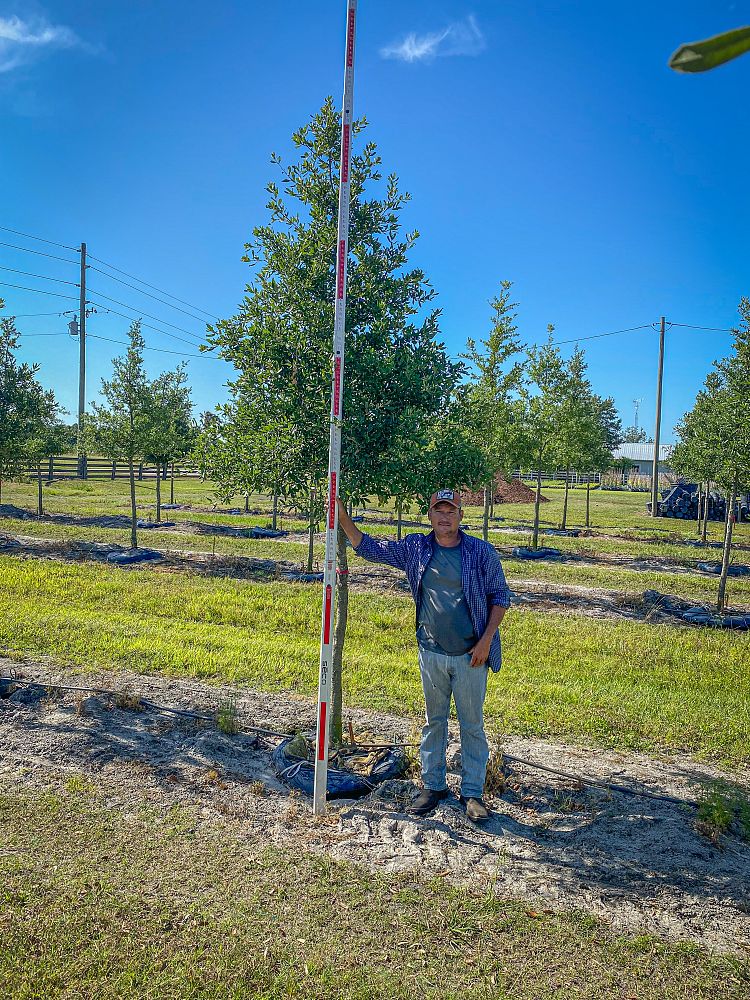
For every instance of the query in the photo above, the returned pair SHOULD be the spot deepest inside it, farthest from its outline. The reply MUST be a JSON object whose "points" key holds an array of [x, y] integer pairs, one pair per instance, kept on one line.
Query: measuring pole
{"points": [[657, 428], [82, 364], [334, 447]]}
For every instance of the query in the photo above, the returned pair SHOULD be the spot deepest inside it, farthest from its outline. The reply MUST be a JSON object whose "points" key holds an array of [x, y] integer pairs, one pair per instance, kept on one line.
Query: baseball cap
{"points": [[453, 497]]}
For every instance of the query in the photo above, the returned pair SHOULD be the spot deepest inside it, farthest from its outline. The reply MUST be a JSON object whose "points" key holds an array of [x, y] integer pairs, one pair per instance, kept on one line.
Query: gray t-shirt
{"points": [[443, 621]]}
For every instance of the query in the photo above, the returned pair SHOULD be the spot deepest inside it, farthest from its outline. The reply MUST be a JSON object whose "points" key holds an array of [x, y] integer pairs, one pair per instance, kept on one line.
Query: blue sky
{"points": [[547, 143]]}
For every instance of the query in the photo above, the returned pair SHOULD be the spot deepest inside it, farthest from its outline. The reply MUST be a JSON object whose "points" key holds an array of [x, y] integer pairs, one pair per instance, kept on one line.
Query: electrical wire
{"points": [[39, 253], [65, 312], [161, 350], [165, 333], [596, 336], [715, 329], [158, 319], [141, 292], [155, 287], [44, 277], [25, 336], [41, 291], [39, 239]]}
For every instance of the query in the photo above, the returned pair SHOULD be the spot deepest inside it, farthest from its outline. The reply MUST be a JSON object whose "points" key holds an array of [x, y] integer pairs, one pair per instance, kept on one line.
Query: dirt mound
{"points": [[505, 492]]}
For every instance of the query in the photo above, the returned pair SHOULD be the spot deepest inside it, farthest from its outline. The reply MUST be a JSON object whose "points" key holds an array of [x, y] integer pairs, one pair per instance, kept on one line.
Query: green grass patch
{"points": [[96, 904], [617, 683]]}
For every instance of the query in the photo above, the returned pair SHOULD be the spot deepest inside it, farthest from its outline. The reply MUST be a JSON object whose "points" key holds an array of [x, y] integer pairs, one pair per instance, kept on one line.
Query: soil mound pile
{"points": [[505, 492]]}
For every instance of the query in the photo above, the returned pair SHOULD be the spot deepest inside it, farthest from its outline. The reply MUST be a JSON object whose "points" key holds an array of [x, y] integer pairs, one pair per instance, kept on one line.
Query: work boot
{"points": [[426, 801], [475, 808]]}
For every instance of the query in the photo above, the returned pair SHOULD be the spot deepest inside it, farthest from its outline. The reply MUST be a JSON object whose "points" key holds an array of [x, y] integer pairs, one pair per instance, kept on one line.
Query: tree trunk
{"points": [[133, 515], [721, 597], [171, 486], [275, 512], [588, 501], [486, 514], [247, 503], [537, 501], [342, 612], [39, 506], [311, 532], [706, 500], [158, 496], [565, 501]]}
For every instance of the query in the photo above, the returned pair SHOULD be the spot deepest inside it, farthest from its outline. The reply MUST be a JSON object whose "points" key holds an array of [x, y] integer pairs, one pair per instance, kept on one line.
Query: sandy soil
{"points": [[637, 863]]}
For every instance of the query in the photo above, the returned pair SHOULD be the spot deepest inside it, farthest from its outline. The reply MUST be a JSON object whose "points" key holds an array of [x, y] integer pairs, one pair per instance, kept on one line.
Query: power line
{"points": [[41, 291], [44, 277], [39, 239], [28, 315], [39, 253], [140, 312], [161, 350], [715, 329], [155, 288], [166, 333], [25, 336], [141, 292], [596, 336]]}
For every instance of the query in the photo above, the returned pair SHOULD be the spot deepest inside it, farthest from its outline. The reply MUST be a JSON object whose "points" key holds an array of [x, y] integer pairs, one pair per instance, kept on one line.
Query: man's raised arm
{"points": [[351, 530]]}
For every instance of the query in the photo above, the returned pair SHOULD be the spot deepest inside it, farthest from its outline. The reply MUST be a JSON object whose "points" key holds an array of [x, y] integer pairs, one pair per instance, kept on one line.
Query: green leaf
{"points": [[697, 57]]}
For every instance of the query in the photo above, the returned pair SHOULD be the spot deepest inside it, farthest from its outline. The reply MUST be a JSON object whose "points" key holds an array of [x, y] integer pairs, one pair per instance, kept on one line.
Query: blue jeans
{"points": [[443, 676]]}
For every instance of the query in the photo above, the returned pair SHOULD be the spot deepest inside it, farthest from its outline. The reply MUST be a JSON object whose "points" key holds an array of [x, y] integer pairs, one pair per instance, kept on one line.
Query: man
{"points": [[461, 596]]}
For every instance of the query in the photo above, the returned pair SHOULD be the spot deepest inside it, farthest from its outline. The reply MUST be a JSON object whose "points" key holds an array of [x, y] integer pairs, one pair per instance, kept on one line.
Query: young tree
{"points": [[602, 434], [28, 413], [589, 429], [280, 339], [172, 430], [121, 428], [489, 401], [716, 433], [634, 435], [542, 404]]}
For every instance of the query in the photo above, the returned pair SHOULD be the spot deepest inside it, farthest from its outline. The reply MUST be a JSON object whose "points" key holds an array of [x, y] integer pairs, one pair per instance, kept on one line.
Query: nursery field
{"points": [[170, 859]]}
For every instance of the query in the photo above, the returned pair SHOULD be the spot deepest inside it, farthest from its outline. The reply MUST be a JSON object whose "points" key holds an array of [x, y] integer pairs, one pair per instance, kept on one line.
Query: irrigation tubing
{"points": [[145, 702]]}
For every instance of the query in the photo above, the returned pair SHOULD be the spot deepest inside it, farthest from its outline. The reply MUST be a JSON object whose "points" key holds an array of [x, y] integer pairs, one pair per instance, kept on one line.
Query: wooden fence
{"points": [[67, 467]]}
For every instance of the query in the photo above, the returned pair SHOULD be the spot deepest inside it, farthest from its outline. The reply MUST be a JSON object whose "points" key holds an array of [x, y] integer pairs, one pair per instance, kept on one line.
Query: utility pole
{"points": [[82, 365], [657, 429]]}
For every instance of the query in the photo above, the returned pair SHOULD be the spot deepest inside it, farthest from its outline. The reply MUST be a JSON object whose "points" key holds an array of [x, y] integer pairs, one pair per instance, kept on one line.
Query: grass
{"points": [[617, 683], [97, 904]]}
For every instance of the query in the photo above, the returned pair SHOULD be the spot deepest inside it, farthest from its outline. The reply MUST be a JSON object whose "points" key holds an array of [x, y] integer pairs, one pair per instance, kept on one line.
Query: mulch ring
{"points": [[694, 614]]}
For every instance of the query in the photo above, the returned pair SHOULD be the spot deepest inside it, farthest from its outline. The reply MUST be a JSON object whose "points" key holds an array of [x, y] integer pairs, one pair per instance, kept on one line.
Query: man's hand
{"points": [[481, 652]]}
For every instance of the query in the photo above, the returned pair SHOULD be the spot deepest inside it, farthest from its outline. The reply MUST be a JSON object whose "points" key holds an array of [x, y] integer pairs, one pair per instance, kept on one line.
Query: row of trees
{"points": [[714, 437], [140, 419]]}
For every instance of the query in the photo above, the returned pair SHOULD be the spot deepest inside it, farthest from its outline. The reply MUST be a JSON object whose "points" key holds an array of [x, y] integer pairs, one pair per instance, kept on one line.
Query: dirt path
{"points": [[637, 863]]}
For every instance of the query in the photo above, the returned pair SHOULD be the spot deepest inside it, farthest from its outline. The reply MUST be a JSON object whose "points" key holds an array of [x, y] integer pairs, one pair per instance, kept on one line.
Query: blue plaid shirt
{"points": [[482, 575]]}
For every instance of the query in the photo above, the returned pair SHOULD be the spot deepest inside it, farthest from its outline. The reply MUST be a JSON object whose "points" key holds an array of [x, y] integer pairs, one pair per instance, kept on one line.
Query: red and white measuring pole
{"points": [[334, 448]]}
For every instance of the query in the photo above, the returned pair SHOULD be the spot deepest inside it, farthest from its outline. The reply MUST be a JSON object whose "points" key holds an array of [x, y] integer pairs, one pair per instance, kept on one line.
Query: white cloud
{"points": [[461, 38], [23, 40]]}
